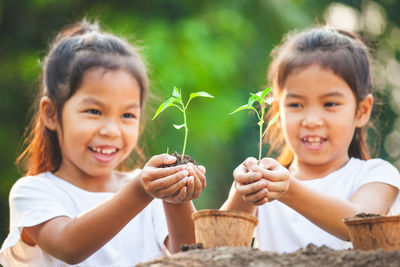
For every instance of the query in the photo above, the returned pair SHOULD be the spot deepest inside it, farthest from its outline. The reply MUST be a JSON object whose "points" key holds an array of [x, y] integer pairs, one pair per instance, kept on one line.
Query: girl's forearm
{"points": [[325, 211], [235, 202], [75, 240], [180, 224]]}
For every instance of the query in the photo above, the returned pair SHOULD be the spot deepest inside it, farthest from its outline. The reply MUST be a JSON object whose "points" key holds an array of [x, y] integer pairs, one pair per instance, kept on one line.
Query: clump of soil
{"points": [[367, 215], [186, 247], [179, 160], [307, 257]]}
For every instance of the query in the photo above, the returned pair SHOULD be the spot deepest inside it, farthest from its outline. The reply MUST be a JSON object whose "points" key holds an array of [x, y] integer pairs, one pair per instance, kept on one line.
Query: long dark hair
{"points": [[76, 49], [340, 51]]}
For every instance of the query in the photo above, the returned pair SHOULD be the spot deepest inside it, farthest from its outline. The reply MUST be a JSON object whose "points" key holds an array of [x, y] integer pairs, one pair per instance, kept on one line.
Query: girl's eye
{"points": [[93, 111], [129, 116], [331, 104], [294, 105]]}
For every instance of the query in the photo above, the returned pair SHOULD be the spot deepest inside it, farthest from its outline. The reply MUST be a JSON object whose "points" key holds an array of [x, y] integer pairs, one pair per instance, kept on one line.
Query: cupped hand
{"points": [[176, 184], [276, 177], [196, 183], [261, 182], [162, 182]]}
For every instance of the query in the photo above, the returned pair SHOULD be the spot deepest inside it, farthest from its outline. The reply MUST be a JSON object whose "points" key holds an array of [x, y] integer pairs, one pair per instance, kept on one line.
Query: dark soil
{"points": [[185, 247], [367, 215], [179, 160], [307, 257]]}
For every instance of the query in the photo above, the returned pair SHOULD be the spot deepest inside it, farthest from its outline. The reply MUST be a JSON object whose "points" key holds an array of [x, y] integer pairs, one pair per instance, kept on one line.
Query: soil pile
{"points": [[308, 257], [180, 160]]}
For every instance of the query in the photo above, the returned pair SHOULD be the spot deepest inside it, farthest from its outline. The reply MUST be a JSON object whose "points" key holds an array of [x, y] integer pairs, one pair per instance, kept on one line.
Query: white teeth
{"points": [[104, 151], [108, 151], [313, 140]]}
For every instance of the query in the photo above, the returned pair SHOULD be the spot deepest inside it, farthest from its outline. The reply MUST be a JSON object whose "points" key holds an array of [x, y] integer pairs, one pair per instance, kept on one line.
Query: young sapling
{"points": [[260, 99], [176, 101]]}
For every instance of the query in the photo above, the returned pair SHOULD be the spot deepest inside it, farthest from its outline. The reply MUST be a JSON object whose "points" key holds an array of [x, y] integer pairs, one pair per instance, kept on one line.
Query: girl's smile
{"points": [[104, 153], [313, 142]]}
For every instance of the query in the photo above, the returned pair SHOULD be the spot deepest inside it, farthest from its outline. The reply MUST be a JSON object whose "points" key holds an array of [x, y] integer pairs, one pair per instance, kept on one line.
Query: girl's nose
{"points": [[110, 129], [312, 121]]}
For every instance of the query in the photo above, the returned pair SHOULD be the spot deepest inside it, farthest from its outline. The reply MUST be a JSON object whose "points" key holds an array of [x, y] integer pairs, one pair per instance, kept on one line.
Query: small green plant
{"points": [[176, 101], [260, 99]]}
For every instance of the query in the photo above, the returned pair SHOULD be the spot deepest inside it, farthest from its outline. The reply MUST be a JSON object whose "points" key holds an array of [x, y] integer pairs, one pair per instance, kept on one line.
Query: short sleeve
{"points": [[159, 221], [381, 171], [33, 200]]}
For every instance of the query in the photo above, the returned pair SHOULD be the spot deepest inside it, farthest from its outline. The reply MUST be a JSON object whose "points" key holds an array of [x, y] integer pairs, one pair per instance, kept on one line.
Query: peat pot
{"points": [[372, 233], [216, 228]]}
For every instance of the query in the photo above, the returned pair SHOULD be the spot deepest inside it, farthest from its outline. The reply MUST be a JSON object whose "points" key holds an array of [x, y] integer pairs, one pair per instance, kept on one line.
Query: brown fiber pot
{"points": [[215, 228], [374, 232]]}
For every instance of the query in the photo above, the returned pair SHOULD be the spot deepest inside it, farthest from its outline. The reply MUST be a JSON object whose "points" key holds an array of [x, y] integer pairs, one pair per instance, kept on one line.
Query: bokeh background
{"points": [[221, 47]]}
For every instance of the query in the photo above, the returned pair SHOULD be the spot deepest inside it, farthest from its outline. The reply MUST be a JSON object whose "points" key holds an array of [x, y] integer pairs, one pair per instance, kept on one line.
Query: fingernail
{"points": [[261, 164], [185, 172], [202, 168], [171, 157], [265, 190]]}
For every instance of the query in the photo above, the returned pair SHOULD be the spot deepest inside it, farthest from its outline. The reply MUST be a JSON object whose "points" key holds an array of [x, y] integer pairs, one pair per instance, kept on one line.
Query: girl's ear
{"points": [[364, 111], [48, 113]]}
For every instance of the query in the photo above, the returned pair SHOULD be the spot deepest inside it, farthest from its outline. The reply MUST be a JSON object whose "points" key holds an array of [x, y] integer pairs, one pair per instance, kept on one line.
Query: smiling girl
{"points": [[73, 206], [323, 87]]}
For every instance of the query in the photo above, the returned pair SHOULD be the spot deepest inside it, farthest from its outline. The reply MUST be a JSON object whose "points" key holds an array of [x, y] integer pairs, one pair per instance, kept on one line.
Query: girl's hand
{"points": [[276, 176], [195, 185], [167, 182], [248, 183], [176, 184], [261, 182]]}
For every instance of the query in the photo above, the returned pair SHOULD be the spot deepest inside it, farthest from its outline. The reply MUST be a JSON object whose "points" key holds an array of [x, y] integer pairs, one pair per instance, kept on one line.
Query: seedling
{"points": [[176, 101], [260, 99]]}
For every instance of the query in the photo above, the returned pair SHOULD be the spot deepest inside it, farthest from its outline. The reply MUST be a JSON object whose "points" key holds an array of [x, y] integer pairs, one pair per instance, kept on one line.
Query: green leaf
{"points": [[240, 108], [252, 99], [272, 121], [169, 102], [179, 126], [259, 98], [265, 92], [202, 94], [275, 118], [176, 92]]}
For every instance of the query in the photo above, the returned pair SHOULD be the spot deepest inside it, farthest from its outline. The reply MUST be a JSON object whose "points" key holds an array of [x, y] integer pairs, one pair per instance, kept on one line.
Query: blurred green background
{"points": [[221, 47]]}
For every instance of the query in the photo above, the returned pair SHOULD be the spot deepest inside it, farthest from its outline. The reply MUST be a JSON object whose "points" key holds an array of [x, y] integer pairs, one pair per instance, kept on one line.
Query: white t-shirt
{"points": [[281, 229], [36, 199]]}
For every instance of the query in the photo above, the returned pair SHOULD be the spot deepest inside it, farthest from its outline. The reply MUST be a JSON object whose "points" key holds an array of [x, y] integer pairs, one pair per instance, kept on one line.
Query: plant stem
{"points": [[259, 154], [261, 123], [186, 131]]}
